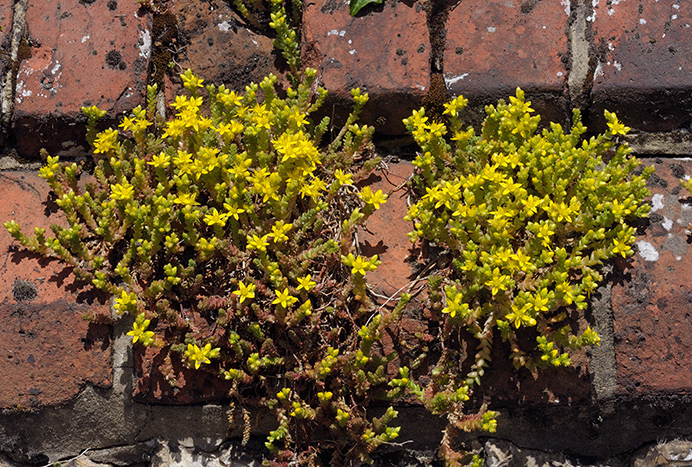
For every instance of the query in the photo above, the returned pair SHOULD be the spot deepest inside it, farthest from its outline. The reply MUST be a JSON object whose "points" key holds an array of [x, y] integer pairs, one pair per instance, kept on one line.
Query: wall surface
{"points": [[74, 391]]}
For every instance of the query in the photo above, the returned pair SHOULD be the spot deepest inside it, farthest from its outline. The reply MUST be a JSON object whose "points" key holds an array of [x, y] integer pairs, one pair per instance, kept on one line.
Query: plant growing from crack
{"points": [[525, 218], [227, 233]]}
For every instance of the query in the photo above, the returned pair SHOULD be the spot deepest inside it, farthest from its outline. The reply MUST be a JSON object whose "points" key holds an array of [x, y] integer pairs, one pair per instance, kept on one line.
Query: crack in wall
{"points": [[583, 60], [437, 12], [18, 51]]}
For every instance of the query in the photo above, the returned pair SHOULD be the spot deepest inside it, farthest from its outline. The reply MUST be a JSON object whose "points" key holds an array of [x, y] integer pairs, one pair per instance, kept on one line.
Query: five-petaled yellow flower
{"points": [[374, 199], [188, 199], [306, 283], [203, 355], [360, 265], [621, 247], [216, 218], [139, 330], [279, 231], [284, 298], [255, 242], [245, 292], [343, 178]]}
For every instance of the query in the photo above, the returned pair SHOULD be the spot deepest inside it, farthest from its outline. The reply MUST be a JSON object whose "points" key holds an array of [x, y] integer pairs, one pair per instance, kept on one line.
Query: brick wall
{"points": [[77, 380]]}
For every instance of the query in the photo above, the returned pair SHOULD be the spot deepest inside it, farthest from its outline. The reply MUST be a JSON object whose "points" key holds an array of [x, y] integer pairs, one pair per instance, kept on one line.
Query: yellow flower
{"points": [[497, 282], [230, 130], [261, 116], [544, 232], [531, 204], [188, 199], [241, 166], [105, 141], [126, 302], [541, 300], [203, 355], [284, 298], [233, 210], [519, 316], [374, 199], [560, 211], [615, 125], [128, 124], [621, 246], [245, 292], [279, 231], [453, 107], [306, 283], [139, 330], [174, 129], [255, 242], [162, 161], [454, 303], [122, 192], [360, 265], [343, 178], [216, 218]]}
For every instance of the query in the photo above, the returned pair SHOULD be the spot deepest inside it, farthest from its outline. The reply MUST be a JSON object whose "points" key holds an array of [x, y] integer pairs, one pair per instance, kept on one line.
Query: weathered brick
{"points": [[651, 297], [173, 383], [83, 53], [49, 352], [218, 46], [385, 233], [495, 46], [6, 25], [644, 63], [385, 52]]}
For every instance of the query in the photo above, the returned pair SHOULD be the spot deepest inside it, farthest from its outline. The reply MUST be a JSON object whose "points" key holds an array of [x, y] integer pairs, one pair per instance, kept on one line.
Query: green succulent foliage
{"points": [[526, 218], [228, 233]]}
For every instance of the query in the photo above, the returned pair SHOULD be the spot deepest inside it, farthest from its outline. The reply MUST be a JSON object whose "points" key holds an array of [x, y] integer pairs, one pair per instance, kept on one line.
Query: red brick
{"points": [[385, 232], [385, 52], [6, 25], [651, 298], [49, 352], [190, 386], [644, 64], [215, 43], [494, 46], [82, 53]]}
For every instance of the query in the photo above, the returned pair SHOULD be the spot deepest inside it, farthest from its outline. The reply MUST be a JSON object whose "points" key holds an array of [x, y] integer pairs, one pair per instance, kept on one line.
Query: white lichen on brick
{"points": [[647, 251], [566, 4], [225, 26], [667, 223], [145, 46], [454, 79], [656, 202]]}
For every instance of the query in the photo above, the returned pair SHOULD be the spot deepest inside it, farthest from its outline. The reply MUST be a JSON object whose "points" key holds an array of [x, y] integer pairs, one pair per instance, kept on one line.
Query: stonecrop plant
{"points": [[526, 218], [227, 233]]}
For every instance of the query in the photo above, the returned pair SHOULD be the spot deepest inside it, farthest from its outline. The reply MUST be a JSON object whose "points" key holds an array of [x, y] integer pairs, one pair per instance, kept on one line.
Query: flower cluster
{"points": [[231, 227], [526, 217]]}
